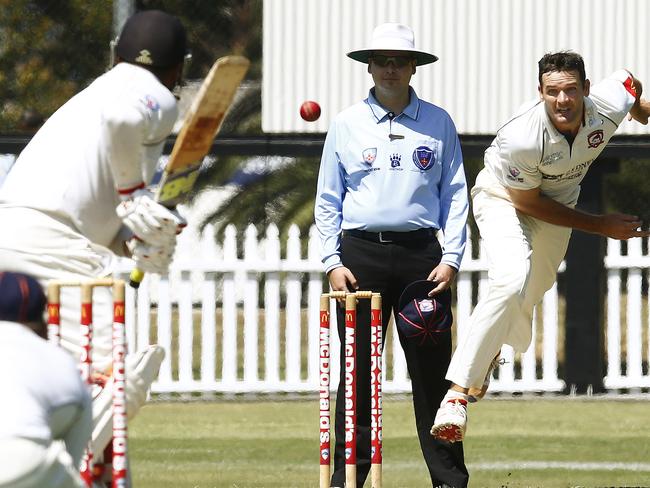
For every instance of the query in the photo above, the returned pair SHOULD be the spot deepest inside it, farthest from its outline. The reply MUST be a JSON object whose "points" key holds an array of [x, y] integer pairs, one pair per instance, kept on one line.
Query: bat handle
{"points": [[135, 278]]}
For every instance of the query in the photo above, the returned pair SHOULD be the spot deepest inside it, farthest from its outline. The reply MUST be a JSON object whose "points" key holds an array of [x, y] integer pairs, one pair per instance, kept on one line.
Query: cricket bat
{"points": [[201, 125]]}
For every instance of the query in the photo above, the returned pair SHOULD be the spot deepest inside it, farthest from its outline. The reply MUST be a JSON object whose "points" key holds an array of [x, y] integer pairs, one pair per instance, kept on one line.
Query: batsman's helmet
{"points": [[152, 38]]}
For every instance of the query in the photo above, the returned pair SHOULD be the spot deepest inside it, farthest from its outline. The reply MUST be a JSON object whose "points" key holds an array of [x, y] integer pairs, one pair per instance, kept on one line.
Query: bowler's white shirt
{"points": [[528, 151], [106, 138], [36, 379]]}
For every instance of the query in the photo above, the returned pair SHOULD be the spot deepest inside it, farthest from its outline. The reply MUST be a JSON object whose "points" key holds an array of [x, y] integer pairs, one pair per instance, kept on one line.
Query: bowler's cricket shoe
{"points": [[451, 421]]}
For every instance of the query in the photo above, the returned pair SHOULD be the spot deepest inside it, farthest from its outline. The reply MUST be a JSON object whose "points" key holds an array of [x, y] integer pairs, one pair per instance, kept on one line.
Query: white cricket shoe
{"points": [[451, 421]]}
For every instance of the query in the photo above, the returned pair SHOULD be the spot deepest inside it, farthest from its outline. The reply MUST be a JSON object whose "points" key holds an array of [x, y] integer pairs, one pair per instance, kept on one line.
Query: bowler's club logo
{"points": [[596, 138], [423, 158]]}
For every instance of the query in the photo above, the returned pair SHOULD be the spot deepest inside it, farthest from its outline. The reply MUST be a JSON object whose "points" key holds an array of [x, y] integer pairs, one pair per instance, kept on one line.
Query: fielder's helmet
{"points": [[152, 38], [21, 298]]}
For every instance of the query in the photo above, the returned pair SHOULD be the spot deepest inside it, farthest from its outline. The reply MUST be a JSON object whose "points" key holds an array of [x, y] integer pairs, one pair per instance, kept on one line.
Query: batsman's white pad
{"points": [[141, 369], [27, 464]]}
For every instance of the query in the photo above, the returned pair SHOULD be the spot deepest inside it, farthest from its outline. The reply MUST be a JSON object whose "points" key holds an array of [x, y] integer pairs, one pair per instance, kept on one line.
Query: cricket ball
{"points": [[310, 111]]}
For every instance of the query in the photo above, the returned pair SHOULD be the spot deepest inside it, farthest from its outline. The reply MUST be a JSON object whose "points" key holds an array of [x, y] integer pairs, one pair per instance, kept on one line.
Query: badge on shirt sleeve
{"points": [[424, 157], [369, 155], [513, 174], [151, 103]]}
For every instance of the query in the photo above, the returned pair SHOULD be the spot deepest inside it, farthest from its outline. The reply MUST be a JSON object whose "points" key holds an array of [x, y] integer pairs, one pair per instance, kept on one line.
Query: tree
{"points": [[281, 193], [217, 28], [50, 50], [628, 190]]}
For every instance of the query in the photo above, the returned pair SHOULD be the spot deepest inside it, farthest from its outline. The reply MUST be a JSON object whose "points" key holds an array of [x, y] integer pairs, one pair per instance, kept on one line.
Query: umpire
{"points": [[391, 177]]}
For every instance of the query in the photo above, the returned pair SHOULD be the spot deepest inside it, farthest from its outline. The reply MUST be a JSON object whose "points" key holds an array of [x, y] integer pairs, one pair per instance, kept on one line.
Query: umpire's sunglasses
{"points": [[398, 61]]}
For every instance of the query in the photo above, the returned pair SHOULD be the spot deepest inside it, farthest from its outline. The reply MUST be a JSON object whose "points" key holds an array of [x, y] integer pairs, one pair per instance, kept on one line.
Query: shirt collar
{"points": [[554, 134], [588, 117], [412, 110]]}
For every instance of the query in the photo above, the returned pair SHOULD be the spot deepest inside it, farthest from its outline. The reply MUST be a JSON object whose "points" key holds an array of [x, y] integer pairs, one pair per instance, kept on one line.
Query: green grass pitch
{"points": [[557, 442]]}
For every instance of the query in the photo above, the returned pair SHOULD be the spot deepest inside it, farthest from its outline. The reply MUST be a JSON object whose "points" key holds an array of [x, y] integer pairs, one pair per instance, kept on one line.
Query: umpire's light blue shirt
{"points": [[368, 181]]}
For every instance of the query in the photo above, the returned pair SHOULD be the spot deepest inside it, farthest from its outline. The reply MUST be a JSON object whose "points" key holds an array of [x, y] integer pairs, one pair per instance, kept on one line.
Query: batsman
{"points": [[76, 198]]}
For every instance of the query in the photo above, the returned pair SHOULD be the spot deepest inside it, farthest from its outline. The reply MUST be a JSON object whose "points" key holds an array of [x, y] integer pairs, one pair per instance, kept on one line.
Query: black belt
{"points": [[388, 237]]}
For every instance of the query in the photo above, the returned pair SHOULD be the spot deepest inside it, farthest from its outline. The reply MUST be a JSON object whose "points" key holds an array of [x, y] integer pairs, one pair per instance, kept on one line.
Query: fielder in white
{"points": [[45, 411], [76, 197], [524, 202]]}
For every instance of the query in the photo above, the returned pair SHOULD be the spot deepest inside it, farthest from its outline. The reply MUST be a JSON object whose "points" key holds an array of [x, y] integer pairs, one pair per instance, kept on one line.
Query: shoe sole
{"points": [[448, 432]]}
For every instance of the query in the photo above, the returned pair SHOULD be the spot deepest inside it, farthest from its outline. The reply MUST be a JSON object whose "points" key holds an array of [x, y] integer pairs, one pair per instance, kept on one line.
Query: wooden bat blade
{"points": [[202, 123]]}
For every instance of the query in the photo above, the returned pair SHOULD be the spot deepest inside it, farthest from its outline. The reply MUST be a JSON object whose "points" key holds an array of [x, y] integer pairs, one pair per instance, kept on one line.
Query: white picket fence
{"points": [[636, 327], [250, 323]]}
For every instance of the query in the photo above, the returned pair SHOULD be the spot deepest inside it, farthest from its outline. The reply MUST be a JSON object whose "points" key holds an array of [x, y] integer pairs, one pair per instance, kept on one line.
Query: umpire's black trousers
{"points": [[387, 268]]}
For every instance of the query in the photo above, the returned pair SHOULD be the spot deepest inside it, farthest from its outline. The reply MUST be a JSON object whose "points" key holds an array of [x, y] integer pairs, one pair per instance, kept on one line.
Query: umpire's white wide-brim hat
{"points": [[393, 37]]}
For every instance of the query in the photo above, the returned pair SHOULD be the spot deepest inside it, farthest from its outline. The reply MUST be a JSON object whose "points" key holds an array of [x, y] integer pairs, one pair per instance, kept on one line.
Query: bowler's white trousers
{"points": [[523, 255]]}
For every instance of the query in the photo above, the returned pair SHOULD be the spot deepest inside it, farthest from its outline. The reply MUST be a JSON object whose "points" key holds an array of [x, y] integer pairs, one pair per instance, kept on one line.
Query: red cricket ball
{"points": [[310, 111]]}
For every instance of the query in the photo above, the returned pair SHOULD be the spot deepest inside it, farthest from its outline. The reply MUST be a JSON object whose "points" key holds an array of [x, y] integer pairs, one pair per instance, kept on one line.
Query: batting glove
{"points": [[148, 220], [150, 258]]}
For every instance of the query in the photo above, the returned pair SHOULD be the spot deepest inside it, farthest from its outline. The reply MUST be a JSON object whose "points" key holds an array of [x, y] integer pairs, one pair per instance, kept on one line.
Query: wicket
{"points": [[119, 444], [351, 387]]}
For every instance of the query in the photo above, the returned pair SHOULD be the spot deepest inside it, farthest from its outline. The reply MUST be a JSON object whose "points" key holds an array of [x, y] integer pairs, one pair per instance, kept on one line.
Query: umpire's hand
{"points": [[342, 279], [443, 276]]}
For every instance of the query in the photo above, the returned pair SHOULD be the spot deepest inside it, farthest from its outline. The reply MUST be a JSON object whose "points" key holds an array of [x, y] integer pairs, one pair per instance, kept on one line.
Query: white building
{"points": [[488, 52]]}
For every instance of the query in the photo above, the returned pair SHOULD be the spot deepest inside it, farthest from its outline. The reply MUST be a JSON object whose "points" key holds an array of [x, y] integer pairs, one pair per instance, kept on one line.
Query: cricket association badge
{"points": [[369, 155], [424, 157]]}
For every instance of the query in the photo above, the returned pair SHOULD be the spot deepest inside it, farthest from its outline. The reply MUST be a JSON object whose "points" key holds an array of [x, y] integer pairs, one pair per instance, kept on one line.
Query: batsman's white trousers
{"points": [[523, 255], [48, 249]]}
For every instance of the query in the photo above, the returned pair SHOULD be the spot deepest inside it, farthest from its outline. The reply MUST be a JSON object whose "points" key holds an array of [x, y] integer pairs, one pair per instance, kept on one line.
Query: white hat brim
{"points": [[421, 57]]}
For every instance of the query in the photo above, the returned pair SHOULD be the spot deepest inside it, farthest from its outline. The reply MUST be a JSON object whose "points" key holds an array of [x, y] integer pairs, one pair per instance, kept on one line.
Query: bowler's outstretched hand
{"points": [[622, 226]]}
